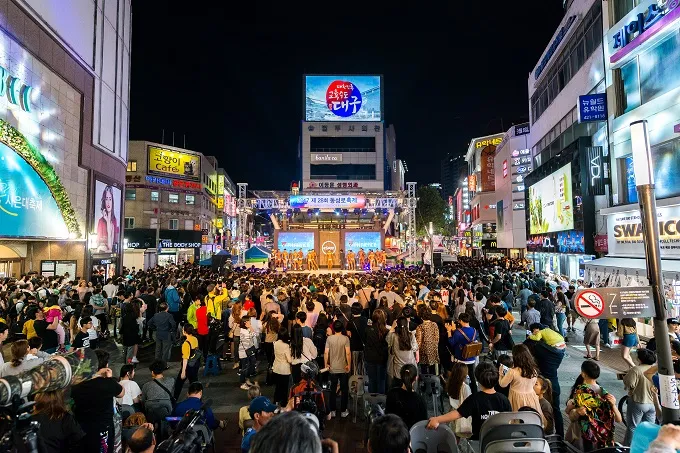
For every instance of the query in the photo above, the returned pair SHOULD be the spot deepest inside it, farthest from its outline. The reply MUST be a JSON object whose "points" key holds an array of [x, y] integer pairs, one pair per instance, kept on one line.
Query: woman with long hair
{"points": [[246, 353], [627, 330], [129, 329], [281, 368], [375, 352], [403, 350], [21, 359], [108, 230], [59, 430], [235, 326], [458, 390], [461, 300], [271, 332], [427, 336], [521, 378], [404, 401], [302, 350]]}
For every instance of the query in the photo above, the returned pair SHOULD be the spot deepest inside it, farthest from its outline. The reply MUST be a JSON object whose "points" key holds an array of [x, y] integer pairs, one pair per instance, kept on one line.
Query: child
{"points": [[34, 345], [51, 313], [504, 360], [458, 391], [243, 414], [543, 389]]}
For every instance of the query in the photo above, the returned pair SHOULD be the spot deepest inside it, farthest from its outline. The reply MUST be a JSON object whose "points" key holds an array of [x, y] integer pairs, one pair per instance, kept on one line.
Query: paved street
{"points": [[227, 398]]}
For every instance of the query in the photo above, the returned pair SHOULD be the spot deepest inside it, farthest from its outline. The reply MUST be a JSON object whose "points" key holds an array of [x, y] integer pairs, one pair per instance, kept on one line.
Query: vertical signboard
{"points": [[595, 166], [488, 177], [592, 107]]}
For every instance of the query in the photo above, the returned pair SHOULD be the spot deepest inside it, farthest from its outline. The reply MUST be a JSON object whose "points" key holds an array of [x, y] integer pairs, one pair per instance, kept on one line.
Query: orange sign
{"points": [[472, 183], [487, 175]]}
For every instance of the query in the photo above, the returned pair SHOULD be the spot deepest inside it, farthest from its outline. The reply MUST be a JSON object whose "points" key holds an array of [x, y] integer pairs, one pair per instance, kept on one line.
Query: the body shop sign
{"points": [[624, 233]]}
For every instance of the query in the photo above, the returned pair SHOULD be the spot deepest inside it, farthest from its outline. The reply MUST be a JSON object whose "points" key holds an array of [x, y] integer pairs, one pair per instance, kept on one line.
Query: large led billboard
{"points": [[367, 240], [174, 164], [343, 98], [295, 241], [551, 203], [107, 204]]}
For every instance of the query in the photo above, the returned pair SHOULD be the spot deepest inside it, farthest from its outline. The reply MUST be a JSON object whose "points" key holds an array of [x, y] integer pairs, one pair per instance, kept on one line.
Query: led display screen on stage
{"points": [[295, 241], [343, 98], [369, 240]]}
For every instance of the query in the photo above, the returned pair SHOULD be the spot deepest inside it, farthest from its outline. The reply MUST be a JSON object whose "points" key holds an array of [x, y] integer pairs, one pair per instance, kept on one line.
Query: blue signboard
{"points": [[367, 240], [295, 241], [343, 98], [27, 207], [592, 107], [522, 129]]}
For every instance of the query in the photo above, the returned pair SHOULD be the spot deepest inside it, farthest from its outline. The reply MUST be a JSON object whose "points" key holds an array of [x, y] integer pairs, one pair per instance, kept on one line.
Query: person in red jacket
{"points": [[202, 328]]}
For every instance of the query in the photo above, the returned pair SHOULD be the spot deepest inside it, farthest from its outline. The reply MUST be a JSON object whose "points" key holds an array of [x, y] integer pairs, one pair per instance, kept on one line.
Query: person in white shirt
{"points": [[391, 296], [110, 289], [133, 394]]}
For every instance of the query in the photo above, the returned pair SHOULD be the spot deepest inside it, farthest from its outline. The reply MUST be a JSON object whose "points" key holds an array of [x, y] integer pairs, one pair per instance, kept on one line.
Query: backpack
{"points": [[172, 299], [319, 339], [97, 300], [473, 348], [195, 355]]}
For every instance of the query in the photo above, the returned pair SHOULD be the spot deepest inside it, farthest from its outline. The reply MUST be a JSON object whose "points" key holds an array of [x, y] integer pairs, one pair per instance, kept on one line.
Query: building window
{"points": [[154, 195], [343, 172], [130, 194], [173, 198], [342, 144], [666, 157], [190, 199], [153, 223], [623, 7], [173, 224], [132, 166], [630, 83], [129, 222], [188, 224]]}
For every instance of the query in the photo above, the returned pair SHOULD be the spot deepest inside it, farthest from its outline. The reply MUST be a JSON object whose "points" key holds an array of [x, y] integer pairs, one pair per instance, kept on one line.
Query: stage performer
{"points": [[329, 259], [382, 258], [277, 258], [362, 259], [371, 260], [311, 261], [284, 258], [351, 261], [300, 260]]}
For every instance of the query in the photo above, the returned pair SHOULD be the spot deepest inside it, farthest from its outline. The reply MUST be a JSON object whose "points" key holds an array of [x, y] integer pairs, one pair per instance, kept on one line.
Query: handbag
{"points": [[473, 347], [173, 401], [251, 351]]}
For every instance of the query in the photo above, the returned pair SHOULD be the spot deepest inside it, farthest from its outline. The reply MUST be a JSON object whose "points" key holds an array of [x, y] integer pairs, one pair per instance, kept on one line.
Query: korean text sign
{"points": [[343, 98], [592, 107], [178, 164]]}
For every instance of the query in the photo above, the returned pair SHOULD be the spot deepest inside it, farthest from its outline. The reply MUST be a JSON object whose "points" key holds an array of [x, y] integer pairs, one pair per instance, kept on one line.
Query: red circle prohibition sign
{"points": [[589, 304]]}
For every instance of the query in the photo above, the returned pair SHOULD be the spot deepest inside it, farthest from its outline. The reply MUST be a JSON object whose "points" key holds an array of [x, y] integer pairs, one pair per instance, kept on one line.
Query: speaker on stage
{"points": [[437, 259]]}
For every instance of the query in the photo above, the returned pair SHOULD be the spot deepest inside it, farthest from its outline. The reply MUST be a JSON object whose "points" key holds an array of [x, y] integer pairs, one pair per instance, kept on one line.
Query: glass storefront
{"points": [[571, 265]]}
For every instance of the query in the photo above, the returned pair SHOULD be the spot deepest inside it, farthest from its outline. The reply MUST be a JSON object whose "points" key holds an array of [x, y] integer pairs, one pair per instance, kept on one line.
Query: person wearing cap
{"points": [[261, 410], [673, 328]]}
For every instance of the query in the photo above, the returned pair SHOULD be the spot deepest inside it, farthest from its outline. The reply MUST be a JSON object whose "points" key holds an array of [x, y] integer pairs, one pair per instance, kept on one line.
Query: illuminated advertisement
{"points": [[328, 201], [550, 203], [107, 217], [27, 206], [367, 240], [343, 98], [220, 192], [570, 242], [177, 164], [295, 241]]}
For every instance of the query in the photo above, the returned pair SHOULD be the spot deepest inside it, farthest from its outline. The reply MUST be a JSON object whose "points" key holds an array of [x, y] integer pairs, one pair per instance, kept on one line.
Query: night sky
{"points": [[231, 80]]}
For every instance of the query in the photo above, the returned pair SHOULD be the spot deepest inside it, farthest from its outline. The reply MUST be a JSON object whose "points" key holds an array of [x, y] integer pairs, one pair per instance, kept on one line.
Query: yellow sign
{"points": [[219, 222], [220, 193], [489, 141], [175, 164]]}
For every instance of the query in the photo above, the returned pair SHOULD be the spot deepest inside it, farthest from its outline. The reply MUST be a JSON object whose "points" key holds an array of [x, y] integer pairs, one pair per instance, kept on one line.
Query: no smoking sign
{"points": [[589, 304]]}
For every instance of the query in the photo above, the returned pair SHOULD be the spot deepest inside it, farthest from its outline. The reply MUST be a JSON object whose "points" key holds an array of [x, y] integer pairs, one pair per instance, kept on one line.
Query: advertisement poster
{"points": [[550, 203], [488, 175], [570, 242], [343, 98], [174, 164], [625, 239], [369, 240], [295, 241], [333, 201], [27, 207], [107, 217], [500, 217]]}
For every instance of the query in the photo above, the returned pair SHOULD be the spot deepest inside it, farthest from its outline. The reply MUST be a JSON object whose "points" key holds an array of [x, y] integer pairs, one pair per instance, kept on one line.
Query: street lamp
{"points": [[644, 181]]}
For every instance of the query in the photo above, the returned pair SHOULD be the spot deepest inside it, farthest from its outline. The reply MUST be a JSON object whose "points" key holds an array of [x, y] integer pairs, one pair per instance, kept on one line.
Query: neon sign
{"points": [[18, 93]]}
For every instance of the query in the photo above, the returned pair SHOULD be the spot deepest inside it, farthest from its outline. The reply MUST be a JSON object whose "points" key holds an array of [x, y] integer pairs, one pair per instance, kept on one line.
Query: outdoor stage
{"points": [[324, 272]]}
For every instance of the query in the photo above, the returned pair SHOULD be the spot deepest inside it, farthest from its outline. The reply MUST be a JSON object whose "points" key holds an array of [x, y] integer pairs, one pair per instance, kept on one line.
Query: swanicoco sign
{"points": [[624, 233]]}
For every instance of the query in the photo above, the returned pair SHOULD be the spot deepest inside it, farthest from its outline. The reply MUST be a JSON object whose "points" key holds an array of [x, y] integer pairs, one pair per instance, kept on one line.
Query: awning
{"points": [[627, 271]]}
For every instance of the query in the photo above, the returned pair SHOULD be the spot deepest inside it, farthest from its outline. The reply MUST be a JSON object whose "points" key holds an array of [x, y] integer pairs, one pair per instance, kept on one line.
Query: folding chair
{"points": [[440, 440], [506, 418], [431, 386], [510, 433], [358, 386]]}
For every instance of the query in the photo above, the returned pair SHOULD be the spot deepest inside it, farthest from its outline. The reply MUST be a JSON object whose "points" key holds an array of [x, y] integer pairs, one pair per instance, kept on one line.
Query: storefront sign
{"points": [[331, 201], [518, 188], [170, 244], [522, 129], [334, 185], [595, 165], [518, 161], [178, 184], [518, 206], [640, 25], [605, 303], [389, 203], [270, 203], [327, 157], [178, 164], [505, 168], [624, 232], [601, 243], [17, 92], [472, 183], [553, 47], [484, 142], [592, 107], [220, 192], [521, 152], [487, 174]]}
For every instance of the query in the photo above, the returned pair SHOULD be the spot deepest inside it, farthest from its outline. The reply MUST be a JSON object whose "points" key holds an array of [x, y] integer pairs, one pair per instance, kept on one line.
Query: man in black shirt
{"points": [[94, 405], [356, 328], [479, 406], [547, 310], [47, 331], [150, 301], [82, 339]]}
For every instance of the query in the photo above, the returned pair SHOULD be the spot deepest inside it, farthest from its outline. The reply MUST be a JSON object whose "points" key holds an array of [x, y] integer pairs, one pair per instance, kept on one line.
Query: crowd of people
{"points": [[307, 335]]}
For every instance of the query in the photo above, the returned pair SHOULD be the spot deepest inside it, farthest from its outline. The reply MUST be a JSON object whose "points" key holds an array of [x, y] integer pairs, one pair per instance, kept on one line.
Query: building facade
{"points": [[63, 135], [451, 167], [174, 205], [513, 161]]}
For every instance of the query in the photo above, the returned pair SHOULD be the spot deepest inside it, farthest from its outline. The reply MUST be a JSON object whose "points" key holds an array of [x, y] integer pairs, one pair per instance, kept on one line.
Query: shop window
{"points": [[188, 224], [129, 223], [132, 166], [173, 198], [154, 195], [630, 81], [190, 199], [130, 194], [666, 159], [659, 68], [173, 224]]}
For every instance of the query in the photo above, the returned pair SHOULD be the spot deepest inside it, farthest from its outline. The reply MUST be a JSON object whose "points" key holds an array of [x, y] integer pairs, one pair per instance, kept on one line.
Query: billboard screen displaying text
{"points": [[343, 98], [551, 203], [369, 240], [174, 164], [295, 241]]}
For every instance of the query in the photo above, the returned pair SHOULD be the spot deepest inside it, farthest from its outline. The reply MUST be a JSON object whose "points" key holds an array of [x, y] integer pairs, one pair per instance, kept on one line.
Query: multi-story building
{"points": [[481, 181], [642, 70], [513, 161], [63, 135], [451, 167], [173, 205], [568, 136]]}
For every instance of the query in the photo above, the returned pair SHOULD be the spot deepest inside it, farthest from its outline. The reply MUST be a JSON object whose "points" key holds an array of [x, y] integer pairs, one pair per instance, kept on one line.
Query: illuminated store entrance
{"points": [[11, 264]]}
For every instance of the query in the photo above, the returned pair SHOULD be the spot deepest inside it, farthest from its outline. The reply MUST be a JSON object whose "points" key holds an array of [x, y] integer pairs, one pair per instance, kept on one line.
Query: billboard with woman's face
{"points": [[107, 203]]}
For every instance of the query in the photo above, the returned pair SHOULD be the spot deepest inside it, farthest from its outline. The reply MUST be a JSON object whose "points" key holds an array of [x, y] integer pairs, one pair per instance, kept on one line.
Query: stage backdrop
{"points": [[329, 240]]}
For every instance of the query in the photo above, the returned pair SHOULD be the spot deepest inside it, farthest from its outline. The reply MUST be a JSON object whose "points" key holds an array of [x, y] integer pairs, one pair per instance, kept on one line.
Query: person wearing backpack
{"points": [[191, 359], [173, 300], [465, 344], [100, 307], [164, 325]]}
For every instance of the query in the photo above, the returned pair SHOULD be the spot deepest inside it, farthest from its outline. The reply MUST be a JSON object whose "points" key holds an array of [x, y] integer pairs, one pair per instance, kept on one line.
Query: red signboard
{"points": [[487, 175], [601, 243], [505, 168]]}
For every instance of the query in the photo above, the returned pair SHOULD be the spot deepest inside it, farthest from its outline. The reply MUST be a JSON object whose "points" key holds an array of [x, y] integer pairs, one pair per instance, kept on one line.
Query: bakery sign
{"points": [[624, 233]]}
